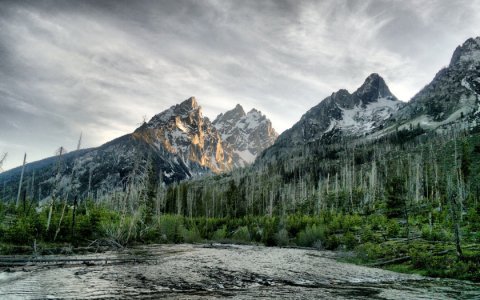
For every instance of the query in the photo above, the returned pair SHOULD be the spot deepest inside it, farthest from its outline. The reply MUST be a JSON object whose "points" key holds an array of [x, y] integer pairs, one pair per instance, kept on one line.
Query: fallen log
{"points": [[404, 259], [391, 261], [30, 261]]}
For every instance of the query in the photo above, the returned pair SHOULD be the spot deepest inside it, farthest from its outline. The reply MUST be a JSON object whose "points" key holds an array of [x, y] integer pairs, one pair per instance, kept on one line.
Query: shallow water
{"points": [[222, 271]]}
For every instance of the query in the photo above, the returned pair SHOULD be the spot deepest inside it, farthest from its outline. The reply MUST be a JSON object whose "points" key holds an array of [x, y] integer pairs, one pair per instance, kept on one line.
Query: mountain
{"points": [[180, 143], [245, 135], [342, 115], [452, 98], [182, 130], [366, 152], [453, 94], [352, 114]]}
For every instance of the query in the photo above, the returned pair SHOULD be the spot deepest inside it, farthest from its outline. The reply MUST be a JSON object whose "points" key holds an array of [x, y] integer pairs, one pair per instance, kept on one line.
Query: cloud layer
{"points": [[98, 67]]}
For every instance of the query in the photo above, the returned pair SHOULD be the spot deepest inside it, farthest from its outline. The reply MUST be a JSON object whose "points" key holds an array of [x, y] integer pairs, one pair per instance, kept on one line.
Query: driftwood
{"points": [[109, 243], [391, 261], [404, 259], [88, 261]]}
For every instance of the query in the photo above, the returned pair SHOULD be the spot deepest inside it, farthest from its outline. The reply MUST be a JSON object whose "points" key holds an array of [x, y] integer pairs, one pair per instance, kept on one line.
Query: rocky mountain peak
{"points": [[188, 109], [231, 116], [468, 52], [342, 98], [182, 130], [244, 135], [190, 102], [238, 108], [345, 114], [453, 94], [373, 89]]}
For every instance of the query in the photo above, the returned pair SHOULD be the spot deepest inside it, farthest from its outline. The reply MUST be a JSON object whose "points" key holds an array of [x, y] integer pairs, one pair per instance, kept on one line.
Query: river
{"points": [[219, 271]]}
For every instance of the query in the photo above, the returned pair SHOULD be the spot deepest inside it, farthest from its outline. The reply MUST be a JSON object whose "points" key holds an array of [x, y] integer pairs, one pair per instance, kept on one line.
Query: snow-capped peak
{"points": [[343, 113], [368, 107], [232, 140], [231, 116], [246, 135]]}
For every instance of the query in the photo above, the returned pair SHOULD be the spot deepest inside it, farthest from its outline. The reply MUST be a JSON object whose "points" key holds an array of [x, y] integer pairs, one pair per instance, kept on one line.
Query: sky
{"points": [[101, 67]]}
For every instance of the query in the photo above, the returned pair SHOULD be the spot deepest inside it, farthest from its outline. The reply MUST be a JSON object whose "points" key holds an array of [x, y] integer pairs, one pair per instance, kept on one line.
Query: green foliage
{"points": [[220, 234], [122, 230], [393, 228], [349, 240], [191, 235], [170, 228], [369, 251], [436, 234], [22, 230], [241, 235], [281, 237], [312, 236], [396, 203]]}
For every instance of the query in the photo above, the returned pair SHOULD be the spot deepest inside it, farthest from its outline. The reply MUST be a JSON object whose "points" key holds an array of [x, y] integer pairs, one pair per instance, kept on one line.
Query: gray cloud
{"points": [[100, 66]]}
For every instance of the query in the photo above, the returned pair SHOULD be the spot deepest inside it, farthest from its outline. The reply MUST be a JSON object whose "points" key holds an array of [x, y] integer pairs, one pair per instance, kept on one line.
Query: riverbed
{"points": [[218, 271]]}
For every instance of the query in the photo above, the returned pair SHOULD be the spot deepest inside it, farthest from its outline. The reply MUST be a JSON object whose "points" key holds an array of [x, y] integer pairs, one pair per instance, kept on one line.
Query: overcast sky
{"points": [[98, 67]]}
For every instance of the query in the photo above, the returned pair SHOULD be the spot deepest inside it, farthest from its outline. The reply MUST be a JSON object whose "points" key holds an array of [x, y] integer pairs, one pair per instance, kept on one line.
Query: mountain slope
{"points": [[453, 94], [98, 171], [180, 143]]}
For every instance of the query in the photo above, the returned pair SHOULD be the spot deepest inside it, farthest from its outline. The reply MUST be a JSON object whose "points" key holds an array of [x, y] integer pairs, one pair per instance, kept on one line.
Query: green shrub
{"points": [[378, 222], [241, 234], [369, 251], [170, 228], [393, 228], [269, 237], [281, 237], [367, 235], [332, 242], [349, 240], [191, 235], [124, 230], [220, 234], [22, 231], [435, 234], [311, 235]]}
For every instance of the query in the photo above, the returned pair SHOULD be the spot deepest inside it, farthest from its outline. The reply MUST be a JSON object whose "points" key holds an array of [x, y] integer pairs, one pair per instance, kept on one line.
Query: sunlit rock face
{"points": [[183, 130]]}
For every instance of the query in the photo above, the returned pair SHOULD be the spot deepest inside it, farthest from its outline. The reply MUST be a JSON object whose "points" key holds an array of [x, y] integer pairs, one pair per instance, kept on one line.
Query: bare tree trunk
{"points": [[21, 180], [454, 215], [50, 213], [70, 184], [73, 218], [2, 160]]}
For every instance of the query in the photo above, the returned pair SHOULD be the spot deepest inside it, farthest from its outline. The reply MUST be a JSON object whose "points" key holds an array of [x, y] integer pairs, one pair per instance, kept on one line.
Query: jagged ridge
{"points": [[245, 135]]}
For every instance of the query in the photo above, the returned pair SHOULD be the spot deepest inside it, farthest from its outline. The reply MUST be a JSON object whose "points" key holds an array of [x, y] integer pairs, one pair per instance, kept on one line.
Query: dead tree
{"points": [[71, 187], [21, 180], [2, 160], [59, 153]]}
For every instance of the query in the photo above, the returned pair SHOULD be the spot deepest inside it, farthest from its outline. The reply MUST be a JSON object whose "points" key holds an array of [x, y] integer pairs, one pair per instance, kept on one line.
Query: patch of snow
{"points": [[246, 156], [169, 174], [331, 126], [362, 119], [465, 84]]}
